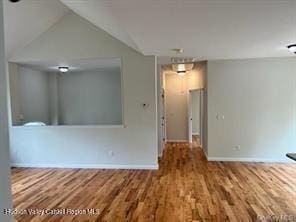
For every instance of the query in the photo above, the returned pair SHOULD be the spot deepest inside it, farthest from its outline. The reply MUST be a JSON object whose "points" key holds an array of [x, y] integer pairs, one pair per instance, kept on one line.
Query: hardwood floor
{"points": [[185, 188], [195, 141]]}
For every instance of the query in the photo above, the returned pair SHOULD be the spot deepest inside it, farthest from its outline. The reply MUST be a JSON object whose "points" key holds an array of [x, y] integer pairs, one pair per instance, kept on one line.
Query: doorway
{"points": [[176, 120]]}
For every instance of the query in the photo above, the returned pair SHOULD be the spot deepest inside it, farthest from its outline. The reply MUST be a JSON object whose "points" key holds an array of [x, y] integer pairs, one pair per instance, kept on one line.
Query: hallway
{"points": [[185, 188]]}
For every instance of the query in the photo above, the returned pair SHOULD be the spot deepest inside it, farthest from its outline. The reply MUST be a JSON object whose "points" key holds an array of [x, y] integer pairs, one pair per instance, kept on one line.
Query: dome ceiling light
{"points": [[292, 48], [182, 68], [63, 69]]}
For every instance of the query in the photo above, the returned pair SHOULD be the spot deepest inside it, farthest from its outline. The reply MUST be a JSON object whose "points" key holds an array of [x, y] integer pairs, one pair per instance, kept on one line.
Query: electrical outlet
{"points": [[237, 147], [111, 153]]}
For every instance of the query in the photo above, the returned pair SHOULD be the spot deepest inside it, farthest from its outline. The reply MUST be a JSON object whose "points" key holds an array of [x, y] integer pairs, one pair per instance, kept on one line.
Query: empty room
{"points": [[155, 110]]}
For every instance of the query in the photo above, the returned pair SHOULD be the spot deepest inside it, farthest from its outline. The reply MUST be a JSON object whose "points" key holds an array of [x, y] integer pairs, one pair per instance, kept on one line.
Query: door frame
{"points": [[163, 118], [201, 114]]}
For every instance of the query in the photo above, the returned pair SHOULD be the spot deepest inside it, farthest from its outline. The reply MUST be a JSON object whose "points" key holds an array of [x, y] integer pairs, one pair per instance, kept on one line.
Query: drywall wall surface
{"points": [[13, 70], [53, 90], [195, 79], [33, 95], [90, 97], [5, 190], [252, 109], [132, 146]]}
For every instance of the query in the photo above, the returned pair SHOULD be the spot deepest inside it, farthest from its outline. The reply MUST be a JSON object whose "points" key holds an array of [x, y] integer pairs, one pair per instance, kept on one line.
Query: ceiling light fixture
{"points": [[181, 73], [63, 69], [182, 68], [292, 48]]}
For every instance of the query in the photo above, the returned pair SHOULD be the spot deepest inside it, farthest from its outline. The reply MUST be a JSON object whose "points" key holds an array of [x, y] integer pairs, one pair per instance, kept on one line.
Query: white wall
{"points": [[34, 95], [195, 112], [91, 97], [5, 191], [14, 92], [257, 99], [134, 146], [30, 95], [53, 88]]}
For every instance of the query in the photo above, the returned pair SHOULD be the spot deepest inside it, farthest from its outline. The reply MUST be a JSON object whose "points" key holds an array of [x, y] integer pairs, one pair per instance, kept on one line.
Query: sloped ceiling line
{"points": [[24, 21], [208, 30], [98, 14]]}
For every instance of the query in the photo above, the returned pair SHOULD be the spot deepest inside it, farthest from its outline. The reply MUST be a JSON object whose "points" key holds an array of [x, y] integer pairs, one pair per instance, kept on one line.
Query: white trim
{"points": [[156, 90], [70, 127], [238, 159], [201, 117], [160, 152], [204, 152], [87, 166], [177, 141], [189, 115], [162, 149], [195, 134]]}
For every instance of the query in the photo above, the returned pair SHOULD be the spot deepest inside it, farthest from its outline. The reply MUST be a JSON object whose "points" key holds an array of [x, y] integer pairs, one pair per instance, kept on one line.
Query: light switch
{"points": [[144, 105], [220, 117]]}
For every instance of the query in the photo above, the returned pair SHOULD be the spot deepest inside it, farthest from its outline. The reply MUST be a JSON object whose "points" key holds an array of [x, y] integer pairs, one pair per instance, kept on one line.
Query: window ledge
{"points": [[71, 127]]}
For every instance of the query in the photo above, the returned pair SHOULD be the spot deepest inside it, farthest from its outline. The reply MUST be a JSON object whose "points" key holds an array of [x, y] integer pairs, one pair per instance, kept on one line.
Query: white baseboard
{"points": [[266, 160], [87, 166], [177, 141]]}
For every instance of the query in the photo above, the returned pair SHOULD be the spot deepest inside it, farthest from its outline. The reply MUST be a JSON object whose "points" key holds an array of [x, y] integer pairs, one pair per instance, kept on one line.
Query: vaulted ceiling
{"points": [[206, 29]]}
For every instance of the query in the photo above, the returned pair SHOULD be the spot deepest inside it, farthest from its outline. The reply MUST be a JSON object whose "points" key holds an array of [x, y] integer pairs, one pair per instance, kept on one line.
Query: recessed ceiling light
{"points": [[64, 69], [292, 48]]}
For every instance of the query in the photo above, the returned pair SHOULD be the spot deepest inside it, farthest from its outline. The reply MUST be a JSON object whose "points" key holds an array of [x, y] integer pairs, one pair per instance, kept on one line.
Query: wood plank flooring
{"points": [[185, 188]]}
